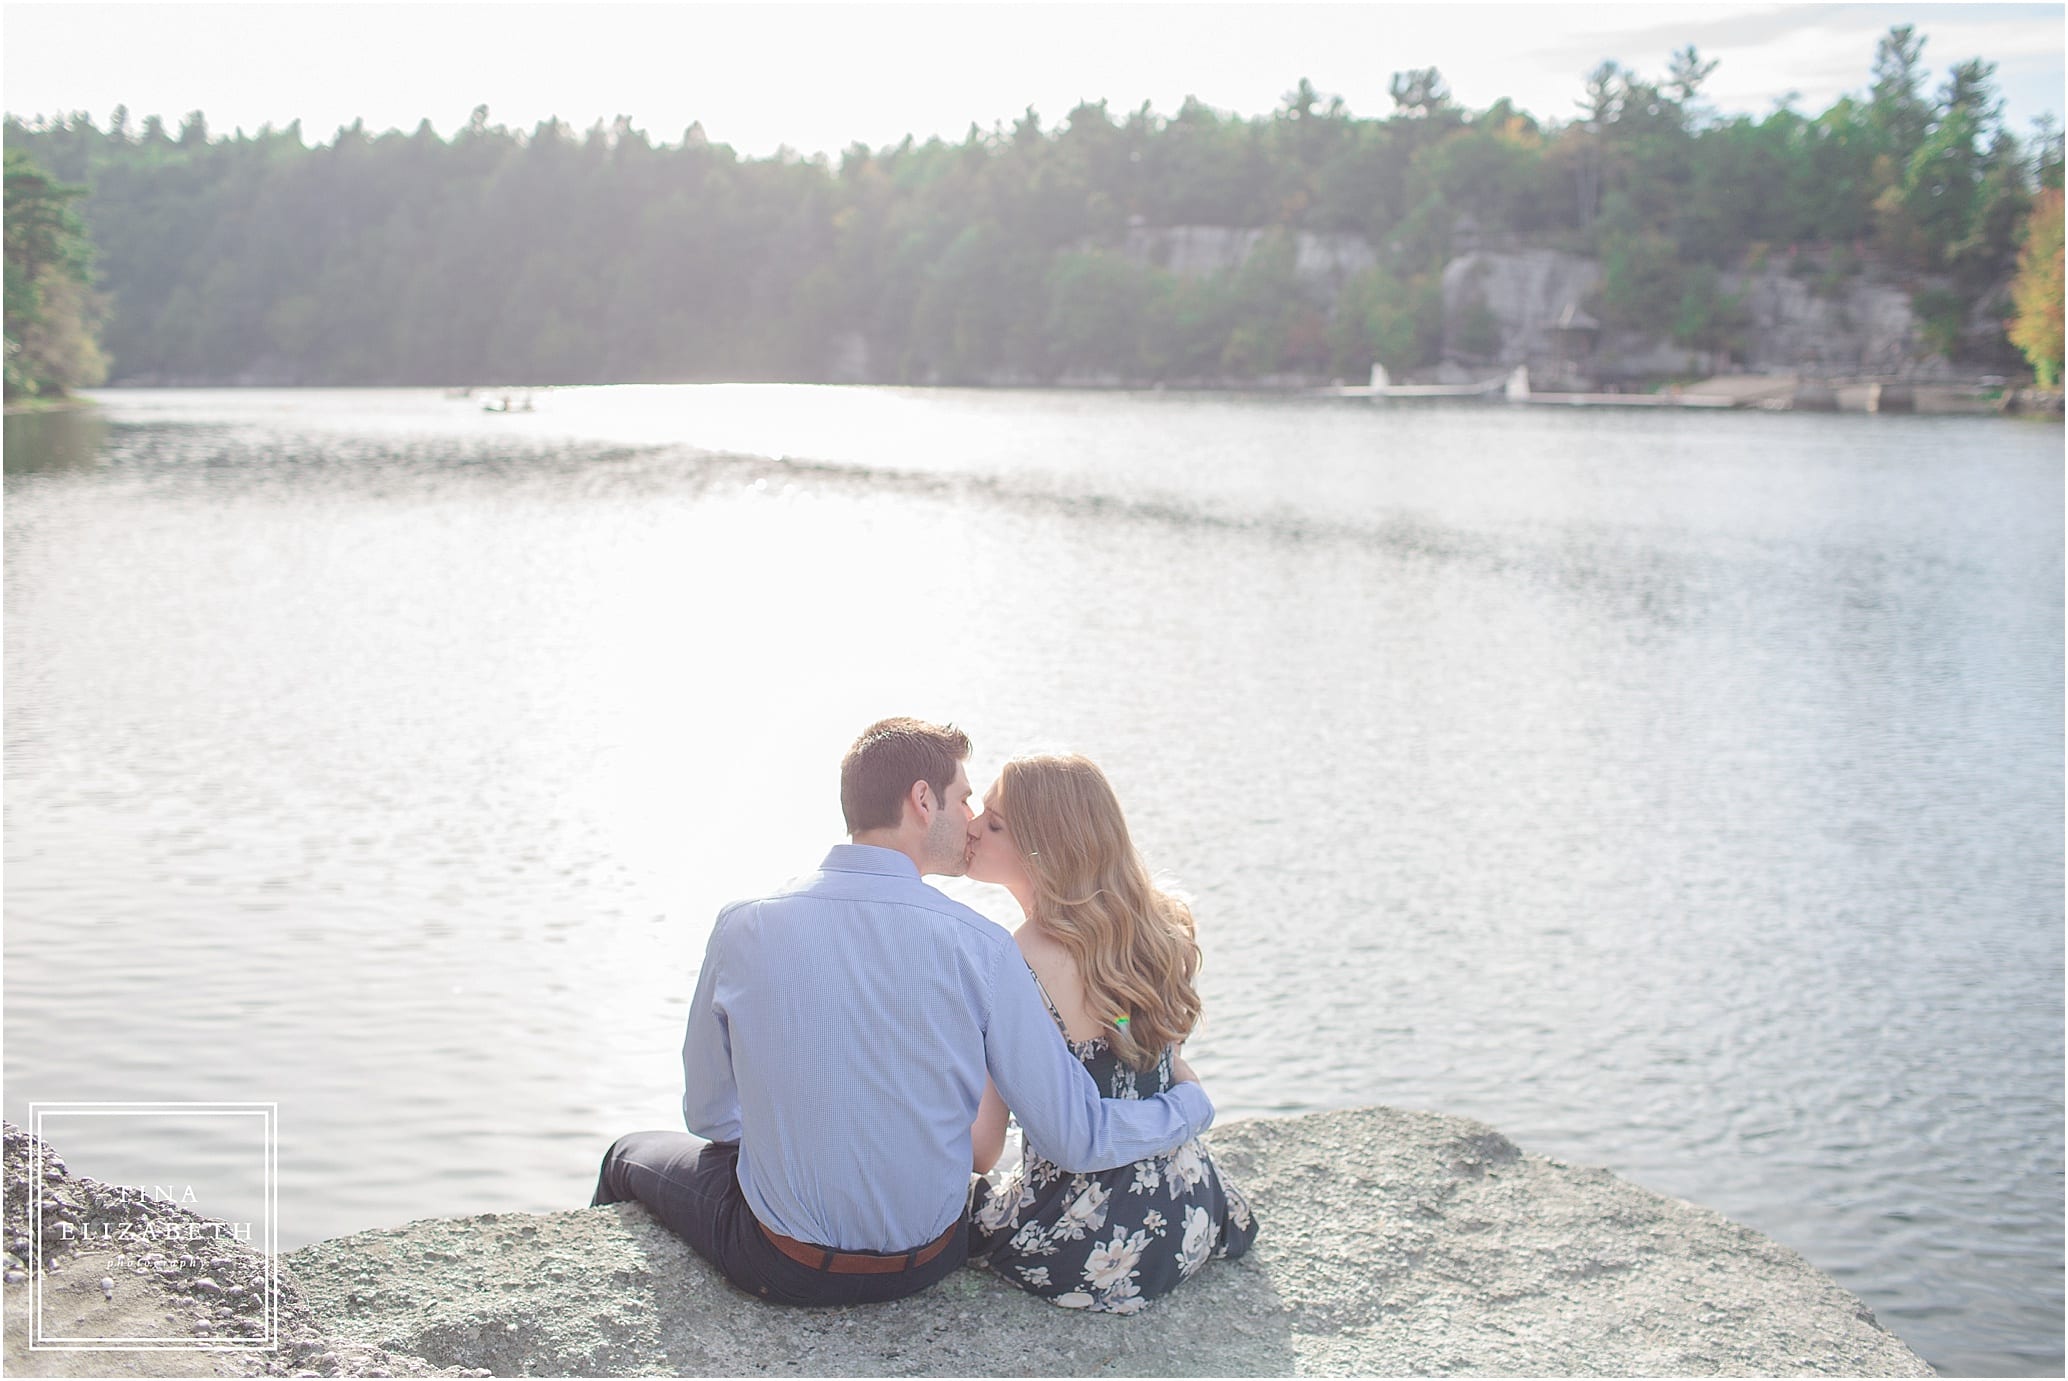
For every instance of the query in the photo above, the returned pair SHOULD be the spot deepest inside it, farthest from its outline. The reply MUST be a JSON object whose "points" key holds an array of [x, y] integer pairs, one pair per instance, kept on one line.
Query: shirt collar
{"points": [[867, 858]]}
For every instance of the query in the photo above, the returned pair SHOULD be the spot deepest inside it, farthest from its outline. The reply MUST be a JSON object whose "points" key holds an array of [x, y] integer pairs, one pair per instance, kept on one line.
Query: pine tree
{"points": [[52, 313]]}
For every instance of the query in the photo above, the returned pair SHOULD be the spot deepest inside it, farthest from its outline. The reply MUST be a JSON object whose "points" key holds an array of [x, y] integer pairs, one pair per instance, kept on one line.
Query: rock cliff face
{"points": [[1392, 1243], [1540, 301], [1539, 305], [1868, 328]]}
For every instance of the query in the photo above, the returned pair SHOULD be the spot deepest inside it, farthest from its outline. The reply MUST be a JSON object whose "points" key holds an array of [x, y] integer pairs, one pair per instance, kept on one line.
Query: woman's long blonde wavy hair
{"points": [[1133, 942]]}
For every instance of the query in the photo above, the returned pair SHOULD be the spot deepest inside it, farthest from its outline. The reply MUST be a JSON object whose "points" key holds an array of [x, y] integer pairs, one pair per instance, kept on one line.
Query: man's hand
{"points": [[1180, 1072]]}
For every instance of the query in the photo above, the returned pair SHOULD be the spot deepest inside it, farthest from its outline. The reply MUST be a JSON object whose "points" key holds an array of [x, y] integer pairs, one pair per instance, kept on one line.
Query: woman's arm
{"points": [[987, 1133]]}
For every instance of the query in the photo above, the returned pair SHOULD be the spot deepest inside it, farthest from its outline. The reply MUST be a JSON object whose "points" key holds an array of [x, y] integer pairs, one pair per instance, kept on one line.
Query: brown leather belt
{"points": [[855, 1263]]}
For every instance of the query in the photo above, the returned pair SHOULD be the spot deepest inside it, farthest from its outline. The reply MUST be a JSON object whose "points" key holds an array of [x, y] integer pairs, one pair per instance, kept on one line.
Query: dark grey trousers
{"points": [[693, 1187]]}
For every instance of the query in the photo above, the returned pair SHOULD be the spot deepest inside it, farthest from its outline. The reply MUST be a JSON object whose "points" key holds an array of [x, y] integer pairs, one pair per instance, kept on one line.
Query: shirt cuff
{"points": [[1197, 1108]]}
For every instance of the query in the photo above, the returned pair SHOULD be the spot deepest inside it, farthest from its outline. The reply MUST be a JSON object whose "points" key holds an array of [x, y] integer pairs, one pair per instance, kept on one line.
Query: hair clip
{"points": [[1120, 1021]]}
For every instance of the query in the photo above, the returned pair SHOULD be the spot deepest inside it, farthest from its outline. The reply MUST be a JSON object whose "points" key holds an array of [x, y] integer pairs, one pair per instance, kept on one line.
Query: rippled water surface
{"points": [[1681, 794]]}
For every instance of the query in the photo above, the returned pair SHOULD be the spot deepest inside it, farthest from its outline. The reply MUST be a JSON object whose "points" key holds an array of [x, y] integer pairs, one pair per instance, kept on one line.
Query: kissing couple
{"points": [[858, 1042]]}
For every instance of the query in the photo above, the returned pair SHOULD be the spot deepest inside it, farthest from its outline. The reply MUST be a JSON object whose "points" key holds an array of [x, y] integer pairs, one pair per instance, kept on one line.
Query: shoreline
{"points": [[1878, 394], [36, 407], [1392, 1243]]}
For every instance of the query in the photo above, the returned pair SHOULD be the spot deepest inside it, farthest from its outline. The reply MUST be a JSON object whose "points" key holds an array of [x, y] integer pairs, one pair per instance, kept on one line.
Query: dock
{"points": [[1676, 398], [1767, 392], [1514, 387]]}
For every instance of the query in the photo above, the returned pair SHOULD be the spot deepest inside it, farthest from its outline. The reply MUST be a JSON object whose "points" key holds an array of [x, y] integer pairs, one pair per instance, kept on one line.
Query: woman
{"points": [[1114, 957]]}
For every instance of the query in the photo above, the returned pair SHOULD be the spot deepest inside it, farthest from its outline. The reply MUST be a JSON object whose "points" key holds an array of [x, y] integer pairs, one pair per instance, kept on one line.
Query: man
{"points": [[838, 1044]]}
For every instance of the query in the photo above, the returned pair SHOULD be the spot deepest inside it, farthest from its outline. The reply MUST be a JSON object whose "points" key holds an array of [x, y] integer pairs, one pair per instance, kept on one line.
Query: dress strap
{"points": [[1048, 1002]]}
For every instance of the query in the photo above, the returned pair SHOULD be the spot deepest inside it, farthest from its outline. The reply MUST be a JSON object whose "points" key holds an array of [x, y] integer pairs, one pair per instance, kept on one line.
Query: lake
{"points": [[1679, 793]]}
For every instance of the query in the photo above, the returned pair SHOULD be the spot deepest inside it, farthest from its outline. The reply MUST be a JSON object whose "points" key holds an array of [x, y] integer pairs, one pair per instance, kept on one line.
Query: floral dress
{"points": [[1113, 1240]]}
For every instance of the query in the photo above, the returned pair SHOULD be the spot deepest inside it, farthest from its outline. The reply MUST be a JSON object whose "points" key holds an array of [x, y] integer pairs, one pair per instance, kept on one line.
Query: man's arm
{"points": [[1056, 1101], [710, 1098]]}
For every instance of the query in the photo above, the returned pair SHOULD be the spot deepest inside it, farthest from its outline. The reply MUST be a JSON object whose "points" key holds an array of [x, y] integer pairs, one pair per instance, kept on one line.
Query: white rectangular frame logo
{"points": [[267, 1119]]}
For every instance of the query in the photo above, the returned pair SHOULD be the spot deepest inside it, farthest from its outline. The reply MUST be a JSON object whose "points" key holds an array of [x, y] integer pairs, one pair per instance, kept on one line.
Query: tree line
{"points": [[557, 256]]}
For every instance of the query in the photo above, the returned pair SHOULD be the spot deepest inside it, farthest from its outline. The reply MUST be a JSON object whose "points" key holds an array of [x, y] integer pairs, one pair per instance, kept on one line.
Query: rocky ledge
{"points": [[110, 1263], [1393, 1243]]}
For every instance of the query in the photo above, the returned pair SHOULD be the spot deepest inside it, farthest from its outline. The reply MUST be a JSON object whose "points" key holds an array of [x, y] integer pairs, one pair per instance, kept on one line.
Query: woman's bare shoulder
{"points": [[1040, 949], [1056, 967]]}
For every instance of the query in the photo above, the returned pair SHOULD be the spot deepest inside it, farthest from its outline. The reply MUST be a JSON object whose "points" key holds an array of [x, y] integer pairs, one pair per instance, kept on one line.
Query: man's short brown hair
{"points": [[890, 755]]}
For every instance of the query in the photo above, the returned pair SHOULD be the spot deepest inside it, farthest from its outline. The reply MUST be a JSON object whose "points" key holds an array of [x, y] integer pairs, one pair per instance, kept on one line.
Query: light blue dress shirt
{"points": [[840, 1032]]}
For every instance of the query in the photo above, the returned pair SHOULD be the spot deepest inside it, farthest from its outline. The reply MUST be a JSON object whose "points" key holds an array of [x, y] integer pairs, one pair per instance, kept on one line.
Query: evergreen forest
{"points": [[557, 256]]}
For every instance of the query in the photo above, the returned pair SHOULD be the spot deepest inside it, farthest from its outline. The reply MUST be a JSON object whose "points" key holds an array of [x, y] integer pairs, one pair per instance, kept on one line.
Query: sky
{"points": [[819, 77]]}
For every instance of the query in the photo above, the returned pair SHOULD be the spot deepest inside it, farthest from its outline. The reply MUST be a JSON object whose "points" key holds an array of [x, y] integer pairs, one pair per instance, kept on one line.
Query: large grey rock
{"points": [[1392, 1243], [1526, 292], [1868, 327]]}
